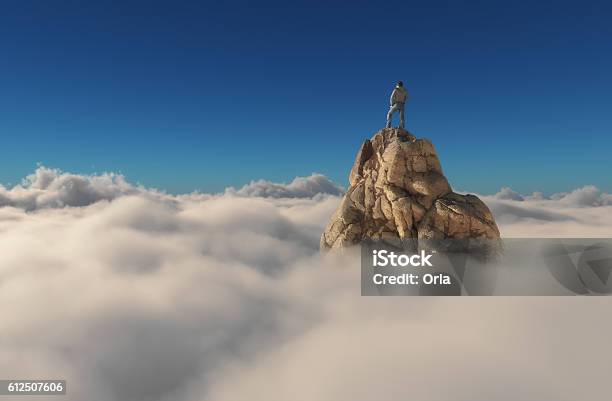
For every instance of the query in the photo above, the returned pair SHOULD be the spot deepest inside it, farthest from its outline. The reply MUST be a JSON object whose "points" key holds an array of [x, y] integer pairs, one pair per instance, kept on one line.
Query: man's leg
{"points": [[390, 115], [401, 109]]}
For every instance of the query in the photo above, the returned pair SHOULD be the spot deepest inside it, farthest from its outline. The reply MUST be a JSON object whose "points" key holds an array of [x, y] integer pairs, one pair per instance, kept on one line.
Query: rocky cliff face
{"points": [[398, 192]]}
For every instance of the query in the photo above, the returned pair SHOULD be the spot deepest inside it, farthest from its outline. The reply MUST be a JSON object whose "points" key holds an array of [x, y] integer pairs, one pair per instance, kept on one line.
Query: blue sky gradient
{"points": [[189, 96]]}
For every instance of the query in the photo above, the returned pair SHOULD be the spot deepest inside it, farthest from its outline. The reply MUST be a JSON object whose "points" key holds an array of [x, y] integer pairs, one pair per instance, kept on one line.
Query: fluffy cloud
{"points": [[584, 212], [584, 197], [300, 187], [147, 296], [508, 194], [51, 188]]}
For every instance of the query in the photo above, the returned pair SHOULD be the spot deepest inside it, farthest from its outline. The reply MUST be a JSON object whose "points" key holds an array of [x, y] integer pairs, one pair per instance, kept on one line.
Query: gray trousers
{"points": [[396, 107]]}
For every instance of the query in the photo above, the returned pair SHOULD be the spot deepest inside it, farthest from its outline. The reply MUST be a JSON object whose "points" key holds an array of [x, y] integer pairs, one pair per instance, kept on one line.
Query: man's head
{"points": [[400, 84]]}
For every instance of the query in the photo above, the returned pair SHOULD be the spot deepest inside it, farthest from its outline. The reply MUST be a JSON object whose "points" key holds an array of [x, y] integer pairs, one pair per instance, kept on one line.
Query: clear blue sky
{"points": [[203, 95]]}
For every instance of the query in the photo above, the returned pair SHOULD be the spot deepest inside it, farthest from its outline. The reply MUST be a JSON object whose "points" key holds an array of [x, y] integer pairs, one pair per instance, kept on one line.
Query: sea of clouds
{"points": [[130, 293]]}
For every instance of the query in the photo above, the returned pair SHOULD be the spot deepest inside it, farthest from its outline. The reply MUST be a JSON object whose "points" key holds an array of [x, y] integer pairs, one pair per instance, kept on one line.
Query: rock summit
{"points": [[398, 192]]}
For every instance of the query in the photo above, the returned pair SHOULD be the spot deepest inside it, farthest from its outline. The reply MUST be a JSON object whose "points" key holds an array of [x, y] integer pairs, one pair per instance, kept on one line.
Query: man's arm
{"points": [[392, 98]]}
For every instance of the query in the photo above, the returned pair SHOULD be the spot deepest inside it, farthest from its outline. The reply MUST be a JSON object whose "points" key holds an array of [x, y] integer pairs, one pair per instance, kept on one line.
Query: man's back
{"points": [[399, 95]]}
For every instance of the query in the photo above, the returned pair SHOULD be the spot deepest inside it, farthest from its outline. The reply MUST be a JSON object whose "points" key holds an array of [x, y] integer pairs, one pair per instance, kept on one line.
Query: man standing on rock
{"points": [[397, 101]]}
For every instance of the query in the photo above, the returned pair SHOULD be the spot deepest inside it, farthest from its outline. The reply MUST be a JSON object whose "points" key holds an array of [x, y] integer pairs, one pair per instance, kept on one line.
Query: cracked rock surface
{"points": [[398, 192]]}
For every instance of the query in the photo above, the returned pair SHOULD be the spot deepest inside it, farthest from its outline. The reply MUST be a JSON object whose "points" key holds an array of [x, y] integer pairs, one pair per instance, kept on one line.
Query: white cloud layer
{"points": [[584, 212], [140, 295], [508, 194], [51, 188], [300, 187], [586, 196]]}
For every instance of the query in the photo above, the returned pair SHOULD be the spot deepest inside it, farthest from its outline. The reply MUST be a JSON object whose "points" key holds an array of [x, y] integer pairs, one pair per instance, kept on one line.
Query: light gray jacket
{"points": [[399, 95]]}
